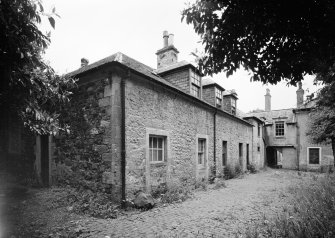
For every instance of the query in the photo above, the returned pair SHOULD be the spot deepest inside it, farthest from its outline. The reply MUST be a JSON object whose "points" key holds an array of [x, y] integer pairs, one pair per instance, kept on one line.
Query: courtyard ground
{"points": [[225, 212]]}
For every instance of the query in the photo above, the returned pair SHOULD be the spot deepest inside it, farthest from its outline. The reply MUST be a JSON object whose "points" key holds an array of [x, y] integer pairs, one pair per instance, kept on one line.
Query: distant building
{"points": [[287, 144]]}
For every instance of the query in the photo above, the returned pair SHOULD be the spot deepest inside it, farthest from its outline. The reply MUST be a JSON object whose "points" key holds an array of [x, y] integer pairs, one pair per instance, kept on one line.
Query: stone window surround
{"points": [[205, 164], [275, 128], [159, 133], [157, 148], [314, 147]]}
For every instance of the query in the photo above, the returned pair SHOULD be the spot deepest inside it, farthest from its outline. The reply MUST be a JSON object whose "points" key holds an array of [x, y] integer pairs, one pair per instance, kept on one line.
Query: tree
{"points": [[276, 40], [29, 87], [322, 127]]}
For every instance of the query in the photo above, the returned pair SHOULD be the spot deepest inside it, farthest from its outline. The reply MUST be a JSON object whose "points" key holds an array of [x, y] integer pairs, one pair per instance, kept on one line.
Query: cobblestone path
{"points": [[214, 213]]}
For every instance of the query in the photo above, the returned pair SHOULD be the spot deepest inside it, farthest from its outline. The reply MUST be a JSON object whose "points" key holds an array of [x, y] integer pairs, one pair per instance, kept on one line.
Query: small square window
{"points": [[314, 155], [279, 128], [201, 151], [157, 149]]}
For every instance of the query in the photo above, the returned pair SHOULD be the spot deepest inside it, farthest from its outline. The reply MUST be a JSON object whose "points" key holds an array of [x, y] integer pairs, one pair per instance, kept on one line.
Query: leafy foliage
{"points": [[29, 87], [276, 40], [311, 213]]}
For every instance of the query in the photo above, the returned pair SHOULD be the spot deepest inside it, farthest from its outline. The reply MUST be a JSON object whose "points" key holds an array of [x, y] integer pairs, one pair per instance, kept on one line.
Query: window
{"points": [[314, 155], [156, 148], [195, 84], [279, 128], [201, 151], [218, 97], [258, 130], [195, 91], [258, 148], [233, 106], [224, 153]]}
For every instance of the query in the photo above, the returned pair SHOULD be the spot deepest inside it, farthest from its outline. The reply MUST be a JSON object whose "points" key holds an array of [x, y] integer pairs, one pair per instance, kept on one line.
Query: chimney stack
{"points": [[300, 95], [171, 38], [165, 38], [84, 62], [267, 100], [168, 55]]}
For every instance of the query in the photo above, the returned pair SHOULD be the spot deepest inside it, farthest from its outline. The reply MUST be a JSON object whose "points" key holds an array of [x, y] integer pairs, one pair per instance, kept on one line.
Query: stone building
{"points": [[135, 127], [287, 144], [141, 127]]}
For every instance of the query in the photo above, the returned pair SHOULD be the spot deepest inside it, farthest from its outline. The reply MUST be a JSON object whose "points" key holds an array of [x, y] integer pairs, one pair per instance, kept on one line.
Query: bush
{"points": [[201, 184], [232, 172], [312, 213], [219, 183], [252, 168], [176, 191]]}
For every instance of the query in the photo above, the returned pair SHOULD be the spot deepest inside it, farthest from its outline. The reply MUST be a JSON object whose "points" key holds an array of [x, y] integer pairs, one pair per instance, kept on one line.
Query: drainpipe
{"points": [[123, 140], [214, 151], [298, 141]]}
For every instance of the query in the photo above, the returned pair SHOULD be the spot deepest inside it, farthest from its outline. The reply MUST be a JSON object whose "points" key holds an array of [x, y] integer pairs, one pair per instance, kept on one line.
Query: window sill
{"points": [[280, 137], [157, 163]]}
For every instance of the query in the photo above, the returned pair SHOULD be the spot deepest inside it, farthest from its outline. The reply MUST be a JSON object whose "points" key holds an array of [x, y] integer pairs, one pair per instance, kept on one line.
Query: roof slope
{"points": [[139, 68], [270, 115]]}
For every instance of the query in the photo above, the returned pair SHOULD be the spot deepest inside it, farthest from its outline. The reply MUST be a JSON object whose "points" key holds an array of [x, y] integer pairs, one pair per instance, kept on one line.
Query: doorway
{"points": [[45, 160]]}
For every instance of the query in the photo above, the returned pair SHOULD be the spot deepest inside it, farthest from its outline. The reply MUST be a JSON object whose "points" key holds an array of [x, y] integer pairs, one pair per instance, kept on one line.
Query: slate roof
{"points": [[139, 68], [124, 60], [173, 66], [269, 116]]}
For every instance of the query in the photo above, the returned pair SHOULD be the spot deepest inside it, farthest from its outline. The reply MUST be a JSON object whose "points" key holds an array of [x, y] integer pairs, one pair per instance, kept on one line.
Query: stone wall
{"points": [[93, 148], [234, 132], [208, 95], [258, 147], [152, 109], [180, 79], [327, 159], [155, 110]]}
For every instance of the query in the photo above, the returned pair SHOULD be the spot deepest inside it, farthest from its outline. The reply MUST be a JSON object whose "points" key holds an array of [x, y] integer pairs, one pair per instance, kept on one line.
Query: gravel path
{"points": [[214, 213]]}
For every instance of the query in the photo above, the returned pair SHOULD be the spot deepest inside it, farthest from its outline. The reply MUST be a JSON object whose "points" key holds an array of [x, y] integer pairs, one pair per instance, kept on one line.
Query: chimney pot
{"points": [[84, 62], [171, 38], [267, 100], [165, 38]]}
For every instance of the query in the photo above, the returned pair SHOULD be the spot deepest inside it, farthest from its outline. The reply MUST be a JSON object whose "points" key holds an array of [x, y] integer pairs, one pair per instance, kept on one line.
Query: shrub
{"points": [[201, 184], [229, 172], [311, 214], [252, 168], [219, 183], [175, 191], [238, 170]]}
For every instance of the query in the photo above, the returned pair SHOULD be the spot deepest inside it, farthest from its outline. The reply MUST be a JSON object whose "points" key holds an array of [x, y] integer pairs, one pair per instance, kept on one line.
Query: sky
{"points": [[95, 29]]}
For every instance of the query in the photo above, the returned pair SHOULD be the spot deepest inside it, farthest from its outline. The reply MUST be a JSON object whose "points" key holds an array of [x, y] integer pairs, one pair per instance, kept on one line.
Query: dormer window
{"points": [[195, 84], [233, 106], [218, 97]]}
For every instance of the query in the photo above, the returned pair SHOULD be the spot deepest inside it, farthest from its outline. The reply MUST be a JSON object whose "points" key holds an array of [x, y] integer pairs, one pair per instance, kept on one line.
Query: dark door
{"points": [[224, 153], [271, 156], [240, 154], [45, 160]]}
